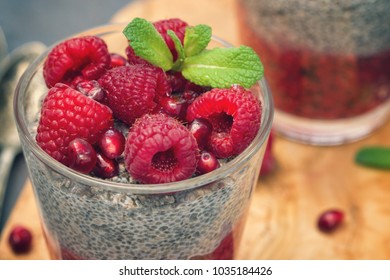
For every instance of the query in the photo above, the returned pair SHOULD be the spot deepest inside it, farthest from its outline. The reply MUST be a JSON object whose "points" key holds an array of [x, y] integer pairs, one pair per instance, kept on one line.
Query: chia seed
{"points": [[94, 223], [344, 26]]}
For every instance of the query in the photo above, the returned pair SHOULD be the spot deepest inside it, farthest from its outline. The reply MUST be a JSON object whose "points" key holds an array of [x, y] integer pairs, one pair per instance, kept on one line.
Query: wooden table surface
{"points": [[286, 204]]}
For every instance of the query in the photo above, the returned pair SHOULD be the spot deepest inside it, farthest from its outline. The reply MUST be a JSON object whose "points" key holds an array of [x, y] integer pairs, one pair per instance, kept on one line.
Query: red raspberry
{"points": [[176, 25], [234, 114], [82, 56], [159, 149], [67, 114], [134, 90]]}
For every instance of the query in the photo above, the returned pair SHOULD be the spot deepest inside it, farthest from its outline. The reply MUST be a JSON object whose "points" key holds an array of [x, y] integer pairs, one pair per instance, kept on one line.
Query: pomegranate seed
{"points": [[20, 239], [176, 80], [207, 163], [330, 220], [82, 156], [196, 88], [117, 60], [105, 167], [92, 89], [201, 129], [112, 143], [190, 96], [174, 106]]}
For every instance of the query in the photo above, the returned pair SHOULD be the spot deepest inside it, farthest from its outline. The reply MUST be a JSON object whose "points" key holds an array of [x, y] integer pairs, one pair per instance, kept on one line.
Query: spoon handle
{"points": [[6, 160]]}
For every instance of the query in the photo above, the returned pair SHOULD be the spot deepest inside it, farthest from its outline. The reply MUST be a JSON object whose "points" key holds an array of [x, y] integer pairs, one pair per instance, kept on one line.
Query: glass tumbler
{"points": [[88, 218], [327, 64]]}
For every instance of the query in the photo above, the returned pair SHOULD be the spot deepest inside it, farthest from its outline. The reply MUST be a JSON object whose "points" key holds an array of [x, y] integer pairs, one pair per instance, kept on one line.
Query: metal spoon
{"points": [[3, 45], [11, 69]]}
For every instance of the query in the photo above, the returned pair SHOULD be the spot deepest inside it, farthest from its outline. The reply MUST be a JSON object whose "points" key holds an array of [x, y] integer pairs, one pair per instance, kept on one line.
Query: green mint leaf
{"points": [[376, 157], [179, 49], [196, 39], [222, 67], [148, 43]]}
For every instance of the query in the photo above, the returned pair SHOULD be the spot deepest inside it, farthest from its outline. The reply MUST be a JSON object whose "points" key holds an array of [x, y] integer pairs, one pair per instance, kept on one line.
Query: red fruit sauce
{"points": [[320, 85]]}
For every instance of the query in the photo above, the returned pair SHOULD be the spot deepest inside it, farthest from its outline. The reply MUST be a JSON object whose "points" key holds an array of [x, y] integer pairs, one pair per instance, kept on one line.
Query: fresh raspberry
{"points": [[67, 114], [82, 56], [134, 90], [176, 25], [159, 149], [234, 114]]}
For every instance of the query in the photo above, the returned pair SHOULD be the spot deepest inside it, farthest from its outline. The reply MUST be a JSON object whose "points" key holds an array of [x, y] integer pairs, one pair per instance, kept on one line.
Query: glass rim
{"points": [[188, 184]]}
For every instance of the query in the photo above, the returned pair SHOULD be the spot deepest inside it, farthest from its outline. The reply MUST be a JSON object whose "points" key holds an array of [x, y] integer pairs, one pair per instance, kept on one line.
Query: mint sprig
{"points": [[179, 49], [374, 156], [196, 39], [222, 67], [218, 67]]}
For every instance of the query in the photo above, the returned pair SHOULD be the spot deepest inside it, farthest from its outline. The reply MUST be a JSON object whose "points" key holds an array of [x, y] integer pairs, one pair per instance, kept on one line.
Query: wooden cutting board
{"points": [[286, 204]]}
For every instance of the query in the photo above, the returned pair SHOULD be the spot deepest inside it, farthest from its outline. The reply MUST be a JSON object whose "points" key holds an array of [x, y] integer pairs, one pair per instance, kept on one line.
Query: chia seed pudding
{"points": [[324, 60], [88, 222], [91, 218]]}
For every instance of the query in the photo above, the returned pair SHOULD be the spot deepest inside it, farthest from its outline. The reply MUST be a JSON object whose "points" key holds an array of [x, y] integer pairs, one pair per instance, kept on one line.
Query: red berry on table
{"points": [[235, 116], [201, 129], [112, 143], [207, 163], [159, 149], [329, 220], [134, 90], [67, 114], [82, 56], [82, 156], [105, 167], [20, 239]]}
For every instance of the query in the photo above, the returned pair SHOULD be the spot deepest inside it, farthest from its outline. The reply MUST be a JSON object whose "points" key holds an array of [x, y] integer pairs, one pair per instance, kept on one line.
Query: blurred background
{"points": [[46, 21]]}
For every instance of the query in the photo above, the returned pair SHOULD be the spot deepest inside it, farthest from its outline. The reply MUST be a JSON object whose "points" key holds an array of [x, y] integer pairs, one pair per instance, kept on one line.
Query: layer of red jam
{"points": [[320, 85]]}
